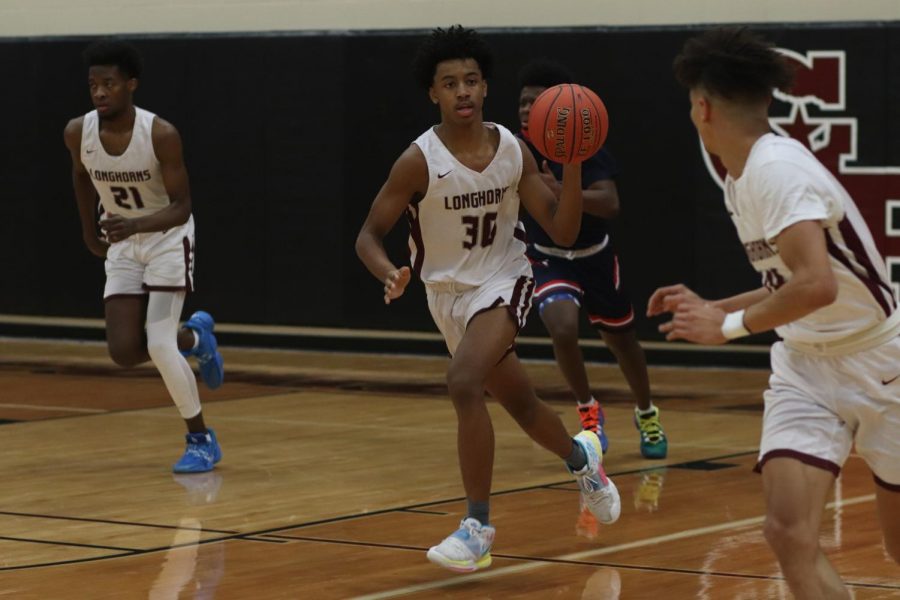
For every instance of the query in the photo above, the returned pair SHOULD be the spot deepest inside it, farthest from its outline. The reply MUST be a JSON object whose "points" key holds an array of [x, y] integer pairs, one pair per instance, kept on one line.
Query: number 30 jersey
{"points": [[131, 184], [466, 227]]}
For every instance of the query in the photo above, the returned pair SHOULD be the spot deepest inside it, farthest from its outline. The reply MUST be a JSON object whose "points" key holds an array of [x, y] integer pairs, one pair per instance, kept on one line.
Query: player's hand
{"points": [[118, 228], [695, 322], [97, 246], [395, 283], [670, 298], [549, 179]]}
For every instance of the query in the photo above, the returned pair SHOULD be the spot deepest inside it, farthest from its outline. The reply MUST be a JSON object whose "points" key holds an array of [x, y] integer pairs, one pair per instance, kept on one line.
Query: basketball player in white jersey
{"points": [[824, 291], [460, 185], [133, 161]]}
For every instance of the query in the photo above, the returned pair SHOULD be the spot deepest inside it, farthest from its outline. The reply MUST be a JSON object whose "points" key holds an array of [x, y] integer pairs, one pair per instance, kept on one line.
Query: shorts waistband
{"points": [[452, 287], [573, 254], [866, 339]]}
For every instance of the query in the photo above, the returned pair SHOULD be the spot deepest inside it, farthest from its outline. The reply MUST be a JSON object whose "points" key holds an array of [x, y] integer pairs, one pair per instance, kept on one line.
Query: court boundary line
{"points": [[534, 564]]}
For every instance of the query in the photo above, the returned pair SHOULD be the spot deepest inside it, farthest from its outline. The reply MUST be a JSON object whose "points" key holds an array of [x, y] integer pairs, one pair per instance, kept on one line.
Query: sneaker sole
{"points": [[459, 566]]}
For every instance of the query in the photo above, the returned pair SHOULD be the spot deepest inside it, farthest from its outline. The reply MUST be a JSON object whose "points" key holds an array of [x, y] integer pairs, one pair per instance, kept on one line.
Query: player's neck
{"points": [[461, 137], [123, 121], [737, 144]]}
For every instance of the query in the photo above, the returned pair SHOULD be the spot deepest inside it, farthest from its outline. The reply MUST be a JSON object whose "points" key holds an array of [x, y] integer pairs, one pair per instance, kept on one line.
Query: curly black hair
{"points": [[734, 63], [109, 52], [544, 73], [449, 44]]}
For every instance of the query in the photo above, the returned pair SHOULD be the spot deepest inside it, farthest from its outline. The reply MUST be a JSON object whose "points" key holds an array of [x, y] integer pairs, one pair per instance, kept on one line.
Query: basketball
{"points": [[568, 123]]}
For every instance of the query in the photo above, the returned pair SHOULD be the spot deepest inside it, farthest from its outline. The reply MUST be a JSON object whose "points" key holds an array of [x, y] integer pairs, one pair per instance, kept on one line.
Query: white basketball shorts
{"points": [[159, 260], [452, 307], [817, 407]]}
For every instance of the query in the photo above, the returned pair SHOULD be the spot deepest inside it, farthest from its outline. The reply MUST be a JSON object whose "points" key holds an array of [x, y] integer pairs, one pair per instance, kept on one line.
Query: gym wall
{"points": [[288, 136]]}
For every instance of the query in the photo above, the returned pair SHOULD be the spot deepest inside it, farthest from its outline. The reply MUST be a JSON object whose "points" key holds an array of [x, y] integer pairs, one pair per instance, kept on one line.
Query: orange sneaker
{"points": [[592, 419]]}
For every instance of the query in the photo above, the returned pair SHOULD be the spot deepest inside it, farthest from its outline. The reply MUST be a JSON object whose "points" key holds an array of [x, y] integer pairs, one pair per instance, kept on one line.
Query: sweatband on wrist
{"points": [[733, 325]]}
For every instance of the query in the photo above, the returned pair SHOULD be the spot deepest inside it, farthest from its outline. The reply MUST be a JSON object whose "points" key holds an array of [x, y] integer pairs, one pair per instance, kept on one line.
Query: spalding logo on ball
{"points": [[568, 123]]}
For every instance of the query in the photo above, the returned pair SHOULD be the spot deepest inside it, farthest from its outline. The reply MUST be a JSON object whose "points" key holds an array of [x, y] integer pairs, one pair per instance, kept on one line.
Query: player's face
{"points": [[527, 97], [459, 90], [111, 90]]}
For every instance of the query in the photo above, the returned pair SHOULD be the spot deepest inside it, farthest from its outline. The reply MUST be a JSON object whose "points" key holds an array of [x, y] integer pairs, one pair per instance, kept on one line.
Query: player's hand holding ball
{"points": [[568, 123]]}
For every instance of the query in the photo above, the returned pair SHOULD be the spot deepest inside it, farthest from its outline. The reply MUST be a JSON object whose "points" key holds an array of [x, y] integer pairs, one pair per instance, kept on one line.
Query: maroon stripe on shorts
{"points": [[891, 487], [808, 459], [188, 283]]}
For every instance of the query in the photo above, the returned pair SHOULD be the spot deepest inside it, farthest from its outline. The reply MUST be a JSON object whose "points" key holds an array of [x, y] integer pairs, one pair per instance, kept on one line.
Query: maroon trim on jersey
{"points": [[111, 296], [519, 234], [415, 232], [808, 459], [870, 279], [188, 280], [891, 487]]}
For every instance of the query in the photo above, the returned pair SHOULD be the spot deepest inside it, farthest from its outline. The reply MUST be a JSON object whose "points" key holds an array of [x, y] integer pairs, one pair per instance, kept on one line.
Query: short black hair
{"points": [[109, 52], [457, 42], [544, 73], [734, 63]]}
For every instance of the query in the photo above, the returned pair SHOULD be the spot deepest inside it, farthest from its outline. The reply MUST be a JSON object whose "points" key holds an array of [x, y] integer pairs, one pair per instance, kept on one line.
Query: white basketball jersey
{"points": [[466, 227], [130, 184], [783, 184]]}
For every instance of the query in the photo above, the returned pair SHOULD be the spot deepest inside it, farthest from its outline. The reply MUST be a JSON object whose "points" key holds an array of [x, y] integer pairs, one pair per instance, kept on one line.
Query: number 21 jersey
{"points": [[130, 184]]}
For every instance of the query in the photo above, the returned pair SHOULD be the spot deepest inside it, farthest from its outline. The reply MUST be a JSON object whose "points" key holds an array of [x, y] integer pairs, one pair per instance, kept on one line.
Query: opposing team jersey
{"points": [[783, 184], [131, 184], [599, 167], [466, 227]]}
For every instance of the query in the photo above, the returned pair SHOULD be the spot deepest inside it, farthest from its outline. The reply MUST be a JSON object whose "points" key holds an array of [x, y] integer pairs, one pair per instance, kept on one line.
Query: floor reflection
{"points": [[192, 569]]}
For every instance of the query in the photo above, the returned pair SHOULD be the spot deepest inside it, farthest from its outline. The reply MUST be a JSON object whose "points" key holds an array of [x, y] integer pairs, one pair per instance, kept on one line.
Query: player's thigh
{"points": [[125, 318], [795, 494], [489, 336], [508, 382], [888, 500]]}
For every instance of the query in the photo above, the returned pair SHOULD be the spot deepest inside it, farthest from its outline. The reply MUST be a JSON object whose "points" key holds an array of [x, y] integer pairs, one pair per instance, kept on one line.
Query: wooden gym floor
{"points": [[339, 471]]}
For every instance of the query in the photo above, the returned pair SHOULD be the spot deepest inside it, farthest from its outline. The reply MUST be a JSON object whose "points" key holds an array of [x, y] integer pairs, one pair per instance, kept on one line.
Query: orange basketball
{"points": [[568, 123]]}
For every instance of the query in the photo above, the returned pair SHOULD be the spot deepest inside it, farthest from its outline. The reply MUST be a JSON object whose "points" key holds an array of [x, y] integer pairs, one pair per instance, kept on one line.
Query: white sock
{"points": [[645, 412]]}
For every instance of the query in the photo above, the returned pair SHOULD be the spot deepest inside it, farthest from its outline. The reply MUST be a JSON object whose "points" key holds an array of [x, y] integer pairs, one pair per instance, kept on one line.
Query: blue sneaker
{"points": [[212, 368], [598, 492], [465, 550], [201, 454]]}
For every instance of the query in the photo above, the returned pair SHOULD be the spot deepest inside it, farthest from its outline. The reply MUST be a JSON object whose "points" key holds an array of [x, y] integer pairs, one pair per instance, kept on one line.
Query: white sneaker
{"points": [[465, 550], [598, 492]]}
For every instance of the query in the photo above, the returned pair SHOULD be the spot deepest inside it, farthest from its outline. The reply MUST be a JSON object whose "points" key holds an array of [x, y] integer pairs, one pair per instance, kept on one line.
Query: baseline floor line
{"points": [[529, 566], [47, 407]]}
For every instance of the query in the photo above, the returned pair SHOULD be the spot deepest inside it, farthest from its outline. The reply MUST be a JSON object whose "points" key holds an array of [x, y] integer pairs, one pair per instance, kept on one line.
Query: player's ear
{"points": [[485, 89], [132, 84], [432, 95]]}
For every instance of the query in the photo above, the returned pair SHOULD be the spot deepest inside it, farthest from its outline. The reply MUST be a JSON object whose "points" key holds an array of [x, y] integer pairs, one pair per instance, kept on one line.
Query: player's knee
{"points": [[464, 387], [158, 349], [794, 541], [124, 355], [563, 332]]}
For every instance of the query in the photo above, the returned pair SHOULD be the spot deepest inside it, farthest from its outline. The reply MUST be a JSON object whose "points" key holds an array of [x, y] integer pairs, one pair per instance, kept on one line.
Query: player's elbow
{"points": [[823, 292]]}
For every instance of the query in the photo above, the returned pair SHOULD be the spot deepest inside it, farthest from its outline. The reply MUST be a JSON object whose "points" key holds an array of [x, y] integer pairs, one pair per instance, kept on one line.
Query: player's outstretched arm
{"points": [[85, 193], [407, 182], [561, 220]]}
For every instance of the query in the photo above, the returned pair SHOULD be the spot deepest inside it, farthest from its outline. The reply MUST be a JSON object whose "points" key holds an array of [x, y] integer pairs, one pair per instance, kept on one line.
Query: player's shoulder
{"points": [[72, 131]]}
